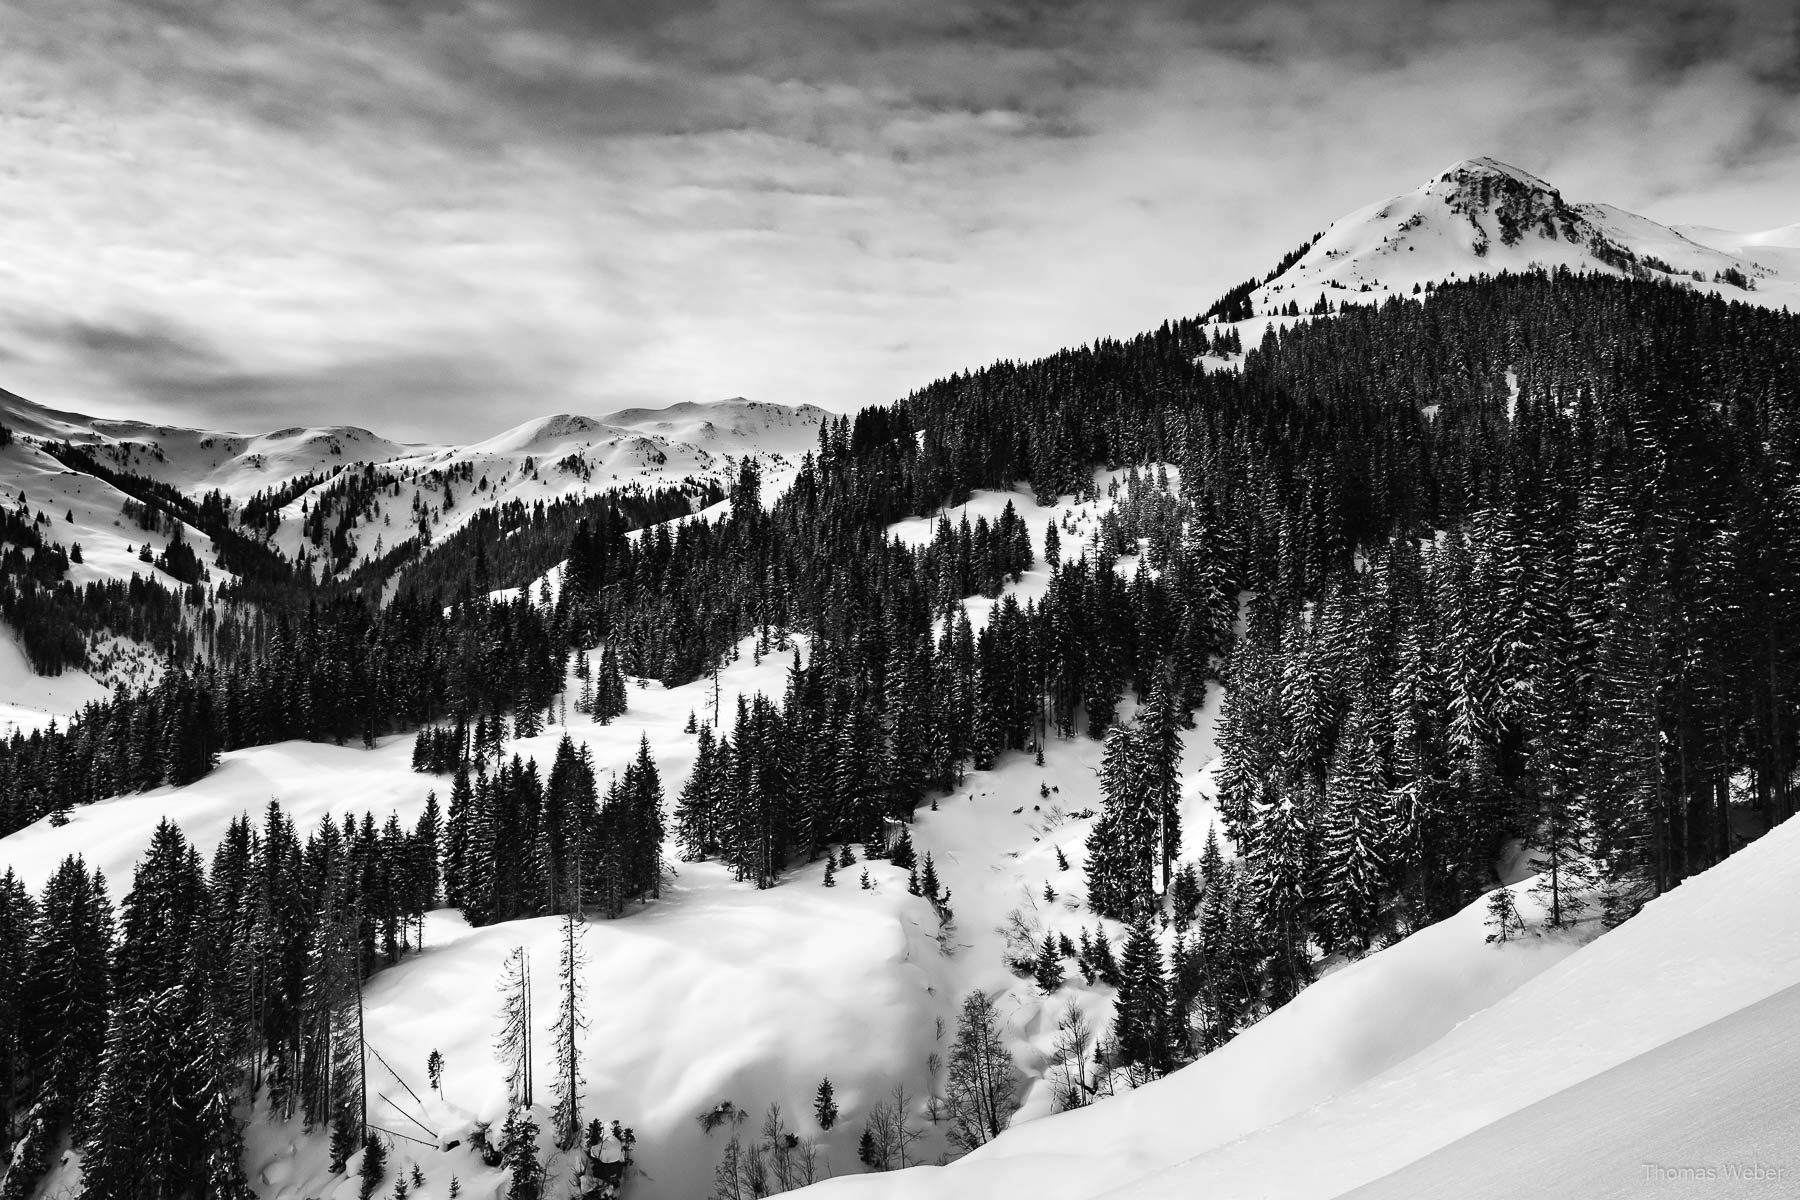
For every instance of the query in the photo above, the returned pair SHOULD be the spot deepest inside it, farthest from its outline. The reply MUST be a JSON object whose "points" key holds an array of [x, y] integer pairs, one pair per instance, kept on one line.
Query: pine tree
{"points": [[825, 1105], [343, 1140], [1285, 894], [1121, 846], [519, 1150], [426, 875], [1140, 1024], [1105, 965], [160, 1123], [902, 854], [1158, 743], [1184, 895], [570, 1021], [1049, 972], [69, 988], [928, 879], [1356, 831], [694, 829], [1503, 916], [374, 1165], [18, 930]]}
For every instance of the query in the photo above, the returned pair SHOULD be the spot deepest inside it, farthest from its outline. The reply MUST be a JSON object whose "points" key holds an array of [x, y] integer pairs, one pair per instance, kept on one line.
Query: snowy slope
{"points": [[1721, 943], [730, 425], [1346, 1028], [1777, 250], [30, 701], [1711, 1112], [1482, 217]]}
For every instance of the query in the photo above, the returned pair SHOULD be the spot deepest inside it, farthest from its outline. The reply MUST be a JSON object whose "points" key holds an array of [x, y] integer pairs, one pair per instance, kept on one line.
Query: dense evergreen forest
{"points": [[1513, 561]]}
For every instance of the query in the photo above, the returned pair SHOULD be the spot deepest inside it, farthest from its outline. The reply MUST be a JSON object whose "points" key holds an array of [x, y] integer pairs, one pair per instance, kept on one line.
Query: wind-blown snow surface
{"points": [[1507, 1029], [1710, 1113]]}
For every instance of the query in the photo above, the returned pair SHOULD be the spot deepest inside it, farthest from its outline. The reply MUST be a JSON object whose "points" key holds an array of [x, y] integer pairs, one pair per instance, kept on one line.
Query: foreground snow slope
{"points": [[1722, 941], [1711, 1113], [1349, 1027], [1696, 959]]}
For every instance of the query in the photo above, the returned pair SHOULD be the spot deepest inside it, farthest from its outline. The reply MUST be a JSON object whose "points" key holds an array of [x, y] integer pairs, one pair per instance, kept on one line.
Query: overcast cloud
{"points": [[441, 217]]}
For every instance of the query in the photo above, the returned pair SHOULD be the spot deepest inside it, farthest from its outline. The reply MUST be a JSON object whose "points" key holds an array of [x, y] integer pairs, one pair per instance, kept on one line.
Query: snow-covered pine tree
{"points": [[1357, 831], [18, 927], [693, 808], [69, 987], [374, 1166], [519, 1151], [1049, 971], [902, 855], [426, 849], [1284, 874], [1141, 1015], [1121, 847], [1157, 739]]}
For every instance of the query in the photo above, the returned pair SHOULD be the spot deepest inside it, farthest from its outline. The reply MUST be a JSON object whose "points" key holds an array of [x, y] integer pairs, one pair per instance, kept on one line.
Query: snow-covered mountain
{"points": [[201, 460], [548, 458], [1483, 216]]}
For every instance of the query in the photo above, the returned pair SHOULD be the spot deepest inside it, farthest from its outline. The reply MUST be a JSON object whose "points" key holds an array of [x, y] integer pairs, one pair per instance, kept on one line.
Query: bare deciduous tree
{"points": [[980, 1097]]}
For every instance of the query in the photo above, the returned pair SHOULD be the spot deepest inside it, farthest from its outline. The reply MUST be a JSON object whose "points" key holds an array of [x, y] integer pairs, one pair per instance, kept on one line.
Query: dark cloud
{"points": [[180, 371]]}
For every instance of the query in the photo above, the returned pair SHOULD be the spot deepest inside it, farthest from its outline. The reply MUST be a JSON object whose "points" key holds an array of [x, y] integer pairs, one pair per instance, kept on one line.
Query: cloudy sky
{"points": [[440, 217]]}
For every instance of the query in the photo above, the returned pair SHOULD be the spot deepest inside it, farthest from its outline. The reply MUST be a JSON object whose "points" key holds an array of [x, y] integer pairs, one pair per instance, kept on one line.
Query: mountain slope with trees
{"points": [[1497, 578]]}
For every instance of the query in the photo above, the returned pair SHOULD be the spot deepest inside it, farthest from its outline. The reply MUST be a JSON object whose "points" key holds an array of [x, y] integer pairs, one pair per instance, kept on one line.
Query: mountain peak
{"points": [[1474, 170], [1481, 216]]}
